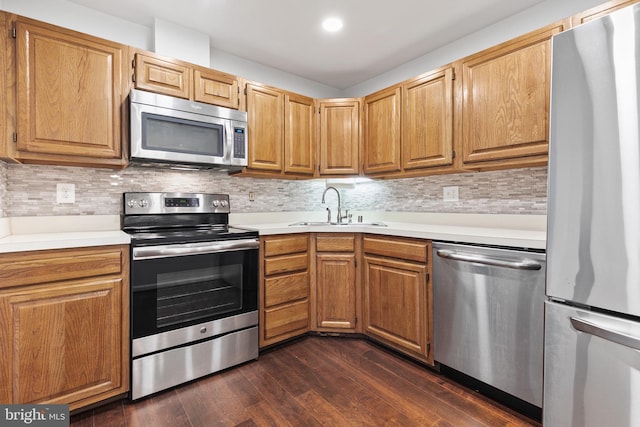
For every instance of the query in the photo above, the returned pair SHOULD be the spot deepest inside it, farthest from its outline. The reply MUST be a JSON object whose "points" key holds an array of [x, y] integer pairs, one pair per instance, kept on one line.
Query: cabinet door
{"points": [[162, 75], [214, 87], [382, 131], [395, 304], [69, 96], [336, 290], [339, 136], [63, 343], [300, 134], [505, 107], [265, 111], [599, 11], [427, 118]]}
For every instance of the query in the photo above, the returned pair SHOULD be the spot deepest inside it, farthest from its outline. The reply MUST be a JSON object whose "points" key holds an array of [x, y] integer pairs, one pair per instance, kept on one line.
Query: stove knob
{"points": [[144, 203], [223, 203], [216, 203], [132, 203]]}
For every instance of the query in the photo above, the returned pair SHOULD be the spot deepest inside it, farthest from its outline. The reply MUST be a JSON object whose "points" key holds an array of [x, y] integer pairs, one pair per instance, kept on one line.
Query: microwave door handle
{"points": [[228, 141]]}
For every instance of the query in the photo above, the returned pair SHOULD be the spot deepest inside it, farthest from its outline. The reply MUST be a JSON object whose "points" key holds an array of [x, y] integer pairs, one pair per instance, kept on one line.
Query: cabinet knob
{"points": [[203, 330]]}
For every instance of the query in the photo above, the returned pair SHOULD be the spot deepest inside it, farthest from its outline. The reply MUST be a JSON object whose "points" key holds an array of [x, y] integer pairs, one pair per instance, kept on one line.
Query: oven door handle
{"points": [[166, 251]]}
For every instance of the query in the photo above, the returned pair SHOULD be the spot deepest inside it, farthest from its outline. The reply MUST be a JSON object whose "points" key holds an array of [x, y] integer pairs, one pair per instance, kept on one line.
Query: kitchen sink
{"points": [[336, 224]]}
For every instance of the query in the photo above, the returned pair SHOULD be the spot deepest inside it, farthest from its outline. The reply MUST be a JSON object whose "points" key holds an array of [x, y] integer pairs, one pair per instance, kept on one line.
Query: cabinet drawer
{"points": [[288, 244], [406, 249], [286, 264], [336, 243], [28, 268], [284, 320], [282, 289]]}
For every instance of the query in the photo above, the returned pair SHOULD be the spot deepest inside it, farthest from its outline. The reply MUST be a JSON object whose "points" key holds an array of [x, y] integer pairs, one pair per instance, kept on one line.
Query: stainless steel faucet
{"points": [[339, 214]]}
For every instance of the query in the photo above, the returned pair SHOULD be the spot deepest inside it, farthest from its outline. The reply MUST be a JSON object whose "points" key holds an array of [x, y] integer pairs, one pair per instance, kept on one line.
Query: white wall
{"points": [[70, 15]]}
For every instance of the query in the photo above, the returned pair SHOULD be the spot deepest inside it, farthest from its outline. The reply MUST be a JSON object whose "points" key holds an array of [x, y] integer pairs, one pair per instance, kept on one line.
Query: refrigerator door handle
{"points": [[524, 264], [605, 333]]}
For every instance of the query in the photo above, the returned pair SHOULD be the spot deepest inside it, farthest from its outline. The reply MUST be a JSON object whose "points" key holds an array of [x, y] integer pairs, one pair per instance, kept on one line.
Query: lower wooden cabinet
{"points": [[397, 294], [284, 290], [337, 283], [64, 317]]}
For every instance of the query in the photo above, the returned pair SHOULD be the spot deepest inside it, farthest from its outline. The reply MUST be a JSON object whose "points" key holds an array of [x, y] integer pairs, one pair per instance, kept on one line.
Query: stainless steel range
{"points": [[194, 289]]}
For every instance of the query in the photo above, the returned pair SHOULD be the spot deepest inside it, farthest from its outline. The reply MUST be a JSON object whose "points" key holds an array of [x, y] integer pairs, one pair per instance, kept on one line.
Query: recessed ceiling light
{"points": [[332, 24]]}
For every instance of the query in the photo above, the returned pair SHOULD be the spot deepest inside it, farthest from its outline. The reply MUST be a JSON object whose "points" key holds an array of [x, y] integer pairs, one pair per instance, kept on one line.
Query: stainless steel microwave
{"points": [[178, 132]]}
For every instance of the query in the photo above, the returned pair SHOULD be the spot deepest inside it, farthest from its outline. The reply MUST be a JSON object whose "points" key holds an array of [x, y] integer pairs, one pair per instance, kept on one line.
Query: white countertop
{"points": [[57, 232], [21, 234], [520, 231]]}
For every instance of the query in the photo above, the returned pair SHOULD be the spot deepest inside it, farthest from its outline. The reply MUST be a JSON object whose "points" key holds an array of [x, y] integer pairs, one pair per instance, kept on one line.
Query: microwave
{"points": [[177, 132]]}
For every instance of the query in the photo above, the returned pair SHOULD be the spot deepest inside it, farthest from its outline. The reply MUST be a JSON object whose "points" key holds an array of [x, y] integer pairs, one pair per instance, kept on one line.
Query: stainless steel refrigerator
{"points": [[592, 312]]}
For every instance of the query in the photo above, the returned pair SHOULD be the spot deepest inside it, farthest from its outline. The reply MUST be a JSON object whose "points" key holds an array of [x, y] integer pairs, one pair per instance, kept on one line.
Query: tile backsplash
{"points": [[30, 190]]}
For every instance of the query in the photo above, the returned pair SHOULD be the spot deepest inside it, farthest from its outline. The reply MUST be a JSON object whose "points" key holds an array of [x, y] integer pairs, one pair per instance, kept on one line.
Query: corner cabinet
{"points": [[284, 287], [336, 290], [398, 294], [69, 91], [65, 321], [504, 112], [282, 133], [339, 141], [169, 76]]}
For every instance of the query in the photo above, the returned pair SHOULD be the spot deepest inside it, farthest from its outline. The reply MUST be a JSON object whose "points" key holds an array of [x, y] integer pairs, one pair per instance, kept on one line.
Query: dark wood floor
{"points": [[315, 381]]}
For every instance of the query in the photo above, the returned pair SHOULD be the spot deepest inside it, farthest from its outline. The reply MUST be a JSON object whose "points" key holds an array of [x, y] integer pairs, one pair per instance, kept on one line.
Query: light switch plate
{"points": [[450, 194]]}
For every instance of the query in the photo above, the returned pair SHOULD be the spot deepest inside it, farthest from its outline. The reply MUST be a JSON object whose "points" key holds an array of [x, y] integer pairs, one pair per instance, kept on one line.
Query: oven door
{"points": [[174, 286]]}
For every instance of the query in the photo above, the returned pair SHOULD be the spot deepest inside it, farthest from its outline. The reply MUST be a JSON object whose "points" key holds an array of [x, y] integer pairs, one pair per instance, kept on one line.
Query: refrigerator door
{"points": [[592, 369], [593, 228]]}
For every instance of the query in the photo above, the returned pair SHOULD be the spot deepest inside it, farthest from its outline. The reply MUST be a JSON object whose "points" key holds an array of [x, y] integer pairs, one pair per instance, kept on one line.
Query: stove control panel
{"points": [[162, 203]]}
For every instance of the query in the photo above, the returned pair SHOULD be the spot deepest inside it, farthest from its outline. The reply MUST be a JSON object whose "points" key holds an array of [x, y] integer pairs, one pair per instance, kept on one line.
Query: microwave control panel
{"points": [[239, 143]]}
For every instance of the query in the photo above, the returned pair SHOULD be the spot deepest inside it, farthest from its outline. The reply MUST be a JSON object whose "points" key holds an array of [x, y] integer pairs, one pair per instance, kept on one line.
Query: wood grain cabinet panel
{"points": [[599, 11], [70, 89], [339, 142], [265, 111], [336, 290], [427, 120], [505, 106], [397, 294], [382, 131], [65, 329], [300, 134], [284, 287], [172, 77]]}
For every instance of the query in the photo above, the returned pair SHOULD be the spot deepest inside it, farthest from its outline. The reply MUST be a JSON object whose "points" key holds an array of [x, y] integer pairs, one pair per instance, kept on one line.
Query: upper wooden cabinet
{"points": [[382, 131], [299, 134], [427, 120], [599, 11], [339, 141], [282, 133], [69, 91], [169, 76], [504, 112]]}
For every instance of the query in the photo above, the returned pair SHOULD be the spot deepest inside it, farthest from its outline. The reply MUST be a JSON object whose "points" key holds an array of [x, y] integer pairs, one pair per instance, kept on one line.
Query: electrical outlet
{"points": [[252, 196], [450, 194], [65, 193]]}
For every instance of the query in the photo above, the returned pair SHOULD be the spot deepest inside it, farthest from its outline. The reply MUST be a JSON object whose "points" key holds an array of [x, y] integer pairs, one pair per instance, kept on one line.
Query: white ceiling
{"points": [[378, 35]]}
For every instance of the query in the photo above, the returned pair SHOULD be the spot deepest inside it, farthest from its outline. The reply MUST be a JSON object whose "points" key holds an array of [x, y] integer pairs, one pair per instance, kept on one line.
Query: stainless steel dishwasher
{"points": [[489, 316]]}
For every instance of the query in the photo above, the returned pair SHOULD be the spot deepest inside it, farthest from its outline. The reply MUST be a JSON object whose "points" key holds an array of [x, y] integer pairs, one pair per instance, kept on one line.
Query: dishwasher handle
{"points": [[617, 337], [523, 264]]}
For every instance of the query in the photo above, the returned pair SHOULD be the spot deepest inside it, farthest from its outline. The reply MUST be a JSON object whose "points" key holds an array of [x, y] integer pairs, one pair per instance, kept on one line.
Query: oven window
{"points": [[164, 133], [177, 291], [198, 294]]}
